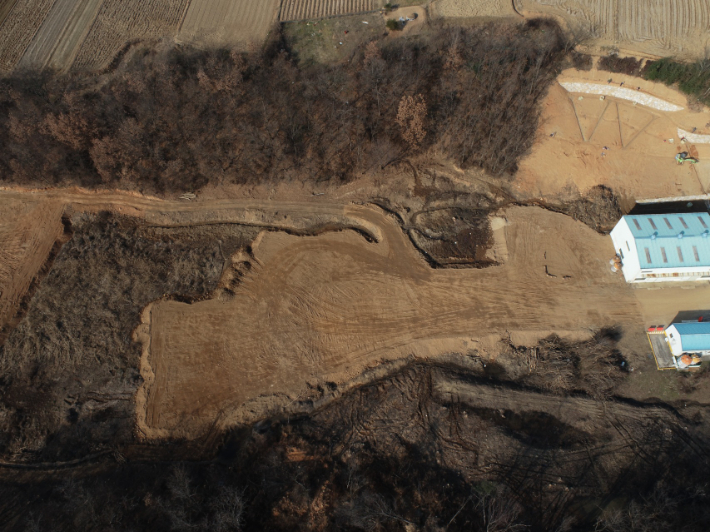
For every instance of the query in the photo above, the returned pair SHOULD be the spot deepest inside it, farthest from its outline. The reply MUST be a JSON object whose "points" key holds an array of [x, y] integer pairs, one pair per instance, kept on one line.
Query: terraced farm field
{"points": [[121, 21], [228, 21], [308, 9], [61, 34], [658, 27], [18, 29]]}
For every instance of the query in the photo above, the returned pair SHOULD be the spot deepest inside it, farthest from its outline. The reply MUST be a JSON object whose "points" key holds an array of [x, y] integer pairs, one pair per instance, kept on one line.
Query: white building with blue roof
{"points": [[663, 247], [689, 338]]}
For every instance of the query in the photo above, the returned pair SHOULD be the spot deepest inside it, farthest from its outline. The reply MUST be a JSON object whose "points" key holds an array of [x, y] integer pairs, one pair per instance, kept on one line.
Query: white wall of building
{"points": [[625, 247], [674, 341]]}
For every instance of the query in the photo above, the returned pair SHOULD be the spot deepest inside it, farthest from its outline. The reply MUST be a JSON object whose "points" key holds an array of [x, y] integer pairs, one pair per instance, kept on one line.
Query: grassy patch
{"points": [[692, 78], [318, 41]]}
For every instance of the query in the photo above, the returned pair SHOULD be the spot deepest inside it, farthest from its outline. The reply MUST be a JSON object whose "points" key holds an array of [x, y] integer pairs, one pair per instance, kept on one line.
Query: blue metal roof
{"points": [[671, 240], [694, 336]]}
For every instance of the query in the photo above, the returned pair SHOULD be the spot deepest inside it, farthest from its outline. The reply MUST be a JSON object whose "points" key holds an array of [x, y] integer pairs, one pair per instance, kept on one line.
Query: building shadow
{"points": [[691, 316]]}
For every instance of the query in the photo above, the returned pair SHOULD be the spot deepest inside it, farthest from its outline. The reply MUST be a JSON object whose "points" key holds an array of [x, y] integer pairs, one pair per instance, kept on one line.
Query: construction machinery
{"points": [[684, 157]]}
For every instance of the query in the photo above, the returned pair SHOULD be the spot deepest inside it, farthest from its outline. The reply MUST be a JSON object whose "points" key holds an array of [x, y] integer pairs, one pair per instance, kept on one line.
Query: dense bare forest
{"points": [[177, 119]]}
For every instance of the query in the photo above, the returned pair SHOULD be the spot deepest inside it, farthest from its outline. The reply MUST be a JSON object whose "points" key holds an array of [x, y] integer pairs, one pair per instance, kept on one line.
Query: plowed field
{"points": [[308, 9], [59, 38], [659, 27], [120, 21], [18, 29], [228, 21]]}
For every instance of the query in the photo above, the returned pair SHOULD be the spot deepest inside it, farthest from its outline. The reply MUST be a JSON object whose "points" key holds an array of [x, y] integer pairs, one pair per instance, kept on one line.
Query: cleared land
{"points": [[658, 27], [119, 22], [28, 232], [325, 308], [19, 28], [59, 38], [585, 141], [228, 21], [310, 9]]}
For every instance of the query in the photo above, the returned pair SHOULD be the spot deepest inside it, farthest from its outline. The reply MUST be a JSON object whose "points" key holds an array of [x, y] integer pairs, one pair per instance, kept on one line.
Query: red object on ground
{"points": [[700, 318]]}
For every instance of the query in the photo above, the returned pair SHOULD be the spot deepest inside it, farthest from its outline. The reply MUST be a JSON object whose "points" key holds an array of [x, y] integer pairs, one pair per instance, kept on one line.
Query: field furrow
{"points": [[61, 34], [308, 9], [660, 27], [18, 29]]}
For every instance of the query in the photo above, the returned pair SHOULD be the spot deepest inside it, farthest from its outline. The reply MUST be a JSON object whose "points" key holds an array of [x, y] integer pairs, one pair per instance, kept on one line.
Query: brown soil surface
{"points": [[28, 232], [639, 159], [327, 307]]}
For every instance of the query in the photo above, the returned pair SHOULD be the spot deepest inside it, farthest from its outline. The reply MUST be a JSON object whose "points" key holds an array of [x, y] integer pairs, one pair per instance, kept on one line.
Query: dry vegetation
{"points": [[177, 120], [69, 369], [399, 455]]}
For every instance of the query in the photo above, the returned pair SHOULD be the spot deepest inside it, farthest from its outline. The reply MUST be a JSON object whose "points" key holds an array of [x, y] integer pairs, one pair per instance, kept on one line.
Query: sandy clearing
{"points": [[657, 27], [215, 22], [18, 29], [61, 34], [472, 8], [121, 21], [325, 308], [569, 156], [309, 9]]}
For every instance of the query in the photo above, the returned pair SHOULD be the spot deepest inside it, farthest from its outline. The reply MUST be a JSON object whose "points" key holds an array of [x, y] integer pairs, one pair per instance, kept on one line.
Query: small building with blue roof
{"points": [[663, 247]]}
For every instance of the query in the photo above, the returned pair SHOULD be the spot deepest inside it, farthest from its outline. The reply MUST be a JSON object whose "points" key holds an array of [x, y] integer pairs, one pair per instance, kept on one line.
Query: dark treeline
{"points": [[177, 119]]}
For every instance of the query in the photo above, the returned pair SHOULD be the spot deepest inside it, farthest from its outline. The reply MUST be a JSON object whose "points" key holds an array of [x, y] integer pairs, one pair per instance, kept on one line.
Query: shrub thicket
{"points": [[175, 120], [692, 78]]}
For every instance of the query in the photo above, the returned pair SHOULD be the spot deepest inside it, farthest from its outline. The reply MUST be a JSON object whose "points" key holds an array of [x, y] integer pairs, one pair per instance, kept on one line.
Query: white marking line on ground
{"points": [[622, 93], [693, 137]]}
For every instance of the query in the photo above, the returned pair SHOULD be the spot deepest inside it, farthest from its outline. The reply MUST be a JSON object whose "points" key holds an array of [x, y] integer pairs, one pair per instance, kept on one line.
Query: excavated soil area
{"points": [[324, 308]]}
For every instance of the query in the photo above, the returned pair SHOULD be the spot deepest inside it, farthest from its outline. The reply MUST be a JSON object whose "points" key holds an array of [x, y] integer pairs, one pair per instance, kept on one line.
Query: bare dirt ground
{"points": [[656, 27], [585, 140], [336, 304], [228, 22], [58, 39], [28, 232]]}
